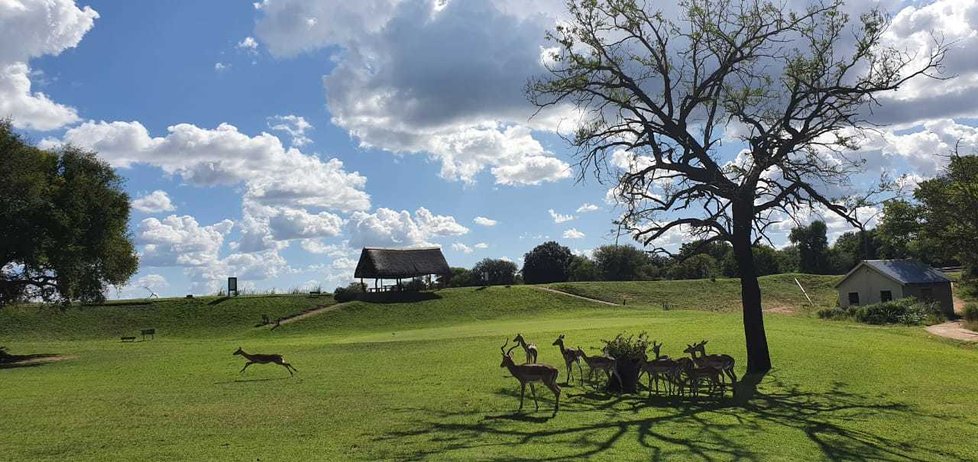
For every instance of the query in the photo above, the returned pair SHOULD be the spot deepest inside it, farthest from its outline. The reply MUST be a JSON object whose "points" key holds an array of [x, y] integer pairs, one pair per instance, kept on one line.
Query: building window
{"points": [[927, 294], [886, 295], [853, 298]]}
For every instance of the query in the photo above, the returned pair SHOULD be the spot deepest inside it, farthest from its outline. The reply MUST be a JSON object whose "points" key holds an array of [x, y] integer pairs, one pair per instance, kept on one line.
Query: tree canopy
{"points": [[547, 262], [490, 272], [950, 211], [813, 247], [660, 94], [63, 218], [623, 263]]}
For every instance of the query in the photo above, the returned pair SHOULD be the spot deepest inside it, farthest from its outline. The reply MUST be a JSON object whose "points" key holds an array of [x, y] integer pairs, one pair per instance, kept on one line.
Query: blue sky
{"points": [[270, 141]]}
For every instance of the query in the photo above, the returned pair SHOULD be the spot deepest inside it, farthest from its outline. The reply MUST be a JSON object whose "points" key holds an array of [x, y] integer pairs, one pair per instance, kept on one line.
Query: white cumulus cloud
{"points": [[154, 202], [483, 221], [573, 233], [443, 79], [390, 228], [587, 207], [560, 218], [31, 29], [293, 125]]}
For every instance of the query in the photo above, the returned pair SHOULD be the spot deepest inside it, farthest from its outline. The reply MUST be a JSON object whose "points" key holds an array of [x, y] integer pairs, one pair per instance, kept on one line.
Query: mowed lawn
{"points": [[422, 381]]}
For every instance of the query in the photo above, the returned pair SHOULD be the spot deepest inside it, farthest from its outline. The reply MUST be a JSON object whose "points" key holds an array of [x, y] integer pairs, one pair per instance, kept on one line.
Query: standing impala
{"points": [[601, 363], [697, 371], [725, 363], [263, 359], [661, 368], [528, 348], [526, 374], [571, 356]]}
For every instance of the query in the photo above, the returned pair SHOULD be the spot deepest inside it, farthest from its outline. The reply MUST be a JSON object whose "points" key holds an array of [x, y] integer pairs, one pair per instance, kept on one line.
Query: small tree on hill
{"points": [[547, 262], [661, 94], [491, 272], [63, 224], [813, 247], [583, 269], [622, 263]]}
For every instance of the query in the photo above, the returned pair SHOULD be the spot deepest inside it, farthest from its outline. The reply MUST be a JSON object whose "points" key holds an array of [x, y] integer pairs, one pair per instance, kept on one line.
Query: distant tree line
{"points": [[937, 226]]}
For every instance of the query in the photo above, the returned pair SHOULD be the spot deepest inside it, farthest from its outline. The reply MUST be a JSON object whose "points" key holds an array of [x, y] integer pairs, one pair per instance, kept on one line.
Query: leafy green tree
{"points": [[583, 269], [493, 272], [547, 262], [699, 266], [766, 259], [63, 218], [813, 247], [665, 90], [788, 259], [460, 277], [622, 263], [851, 248], [950, 212], [900, 232]]}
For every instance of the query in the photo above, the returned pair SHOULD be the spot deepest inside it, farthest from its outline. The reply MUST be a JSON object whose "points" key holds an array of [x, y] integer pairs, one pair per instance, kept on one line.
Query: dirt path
{"points": [[555, 291], [306, 314], [953, 330]]}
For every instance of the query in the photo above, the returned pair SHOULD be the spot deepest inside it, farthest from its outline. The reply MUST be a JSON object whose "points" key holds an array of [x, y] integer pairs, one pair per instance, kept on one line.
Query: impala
{"points": [[698, 371], [527, 374], [570, 357], [661, 368], [723, 362], [601, 363], [528, 348], [263, 359]]}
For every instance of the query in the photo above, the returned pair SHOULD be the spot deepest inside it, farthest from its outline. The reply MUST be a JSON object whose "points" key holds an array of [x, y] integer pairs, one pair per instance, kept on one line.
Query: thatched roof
{"points": [[400, 263]]}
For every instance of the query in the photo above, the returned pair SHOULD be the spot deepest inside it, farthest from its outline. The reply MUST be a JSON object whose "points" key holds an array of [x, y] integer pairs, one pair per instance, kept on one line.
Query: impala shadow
{"points": [[670, 429]]}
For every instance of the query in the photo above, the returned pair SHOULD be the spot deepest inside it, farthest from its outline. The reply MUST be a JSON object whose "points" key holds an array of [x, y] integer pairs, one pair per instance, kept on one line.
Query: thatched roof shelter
{"points": [[377, 263]]}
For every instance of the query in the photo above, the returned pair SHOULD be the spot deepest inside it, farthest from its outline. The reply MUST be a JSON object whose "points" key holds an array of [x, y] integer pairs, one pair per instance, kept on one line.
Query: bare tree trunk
{"points": [[758, 357]]}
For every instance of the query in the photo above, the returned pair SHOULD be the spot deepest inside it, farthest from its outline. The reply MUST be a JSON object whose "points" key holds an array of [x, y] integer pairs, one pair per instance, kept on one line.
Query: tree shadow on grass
{"points": [[397, 297], [9, 361], [832, 420], [268, 379]]}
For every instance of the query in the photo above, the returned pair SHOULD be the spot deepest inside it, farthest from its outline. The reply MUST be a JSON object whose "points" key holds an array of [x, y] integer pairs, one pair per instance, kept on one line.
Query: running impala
{"points": [[263, 359]]}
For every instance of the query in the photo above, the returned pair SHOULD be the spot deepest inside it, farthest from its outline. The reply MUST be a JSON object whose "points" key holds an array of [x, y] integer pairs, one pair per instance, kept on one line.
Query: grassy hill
{"points": [[201, 316], [421, 380], [778, 291]]}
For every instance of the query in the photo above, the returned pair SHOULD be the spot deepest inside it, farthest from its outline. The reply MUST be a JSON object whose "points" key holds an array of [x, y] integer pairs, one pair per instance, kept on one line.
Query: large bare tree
{"points": [[663, 91]]}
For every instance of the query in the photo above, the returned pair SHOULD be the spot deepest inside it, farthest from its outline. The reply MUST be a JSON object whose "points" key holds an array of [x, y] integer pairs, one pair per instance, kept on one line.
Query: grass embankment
{"points": [[421, 380], [196, 317], [779, 292]]}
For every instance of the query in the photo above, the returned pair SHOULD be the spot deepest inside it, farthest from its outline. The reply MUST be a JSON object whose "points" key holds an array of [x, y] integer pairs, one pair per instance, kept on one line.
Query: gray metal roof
{"points": [[906, 271]]}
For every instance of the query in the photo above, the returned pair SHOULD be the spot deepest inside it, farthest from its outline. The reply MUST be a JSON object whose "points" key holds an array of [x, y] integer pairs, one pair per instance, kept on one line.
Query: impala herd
{"points": [[684, 376]]}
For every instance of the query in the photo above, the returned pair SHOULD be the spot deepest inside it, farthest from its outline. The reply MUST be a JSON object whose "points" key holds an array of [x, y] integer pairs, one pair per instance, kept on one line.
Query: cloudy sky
{"points": [[271, 141]]}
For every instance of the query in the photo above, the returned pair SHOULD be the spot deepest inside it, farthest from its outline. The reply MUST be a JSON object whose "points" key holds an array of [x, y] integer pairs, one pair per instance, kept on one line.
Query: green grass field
{"points": [[422, 380]]}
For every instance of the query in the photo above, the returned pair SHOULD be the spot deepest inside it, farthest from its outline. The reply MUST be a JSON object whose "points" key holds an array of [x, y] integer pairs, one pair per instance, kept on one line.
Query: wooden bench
{"points": [[128, 339], [150, 332]]}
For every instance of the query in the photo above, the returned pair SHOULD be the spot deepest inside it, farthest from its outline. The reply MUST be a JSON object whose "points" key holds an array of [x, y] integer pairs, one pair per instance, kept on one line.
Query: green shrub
{"points": [[414, 285], [350, 292], [833, 313], [971, 312], [625, 348], [906, 311]]}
